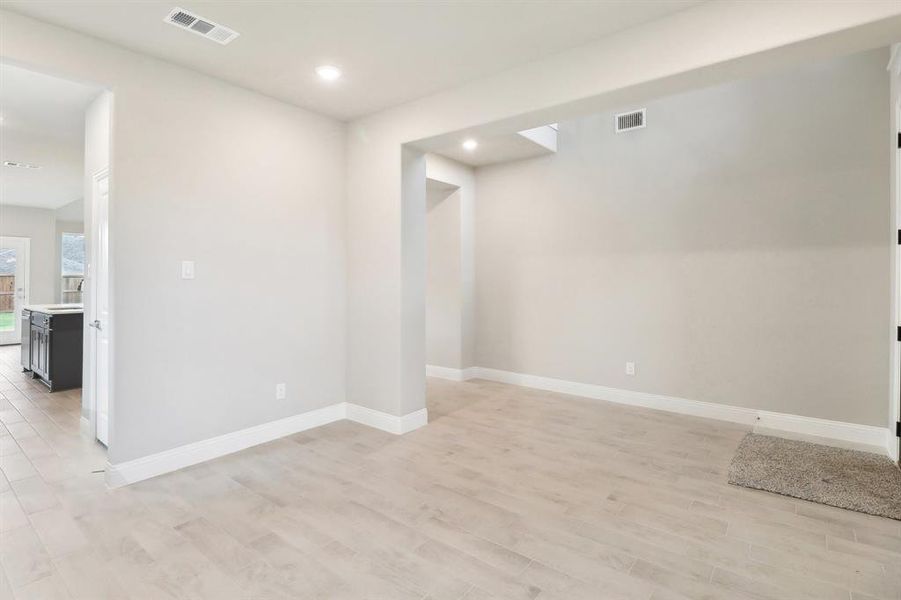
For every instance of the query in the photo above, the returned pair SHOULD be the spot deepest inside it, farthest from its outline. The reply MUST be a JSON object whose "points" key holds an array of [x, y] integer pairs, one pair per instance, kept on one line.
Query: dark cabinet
{"points": [[54, 349]]}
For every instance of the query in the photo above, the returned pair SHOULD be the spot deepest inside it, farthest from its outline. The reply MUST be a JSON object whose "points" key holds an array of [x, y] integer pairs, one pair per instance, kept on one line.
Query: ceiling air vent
{"points": [[19, 165], [189, 21], [630, 120]]}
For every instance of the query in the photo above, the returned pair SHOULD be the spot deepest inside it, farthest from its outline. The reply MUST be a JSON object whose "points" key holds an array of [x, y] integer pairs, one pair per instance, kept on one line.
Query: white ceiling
{"points": [[43, 124], [491, 150], [390, 52]]}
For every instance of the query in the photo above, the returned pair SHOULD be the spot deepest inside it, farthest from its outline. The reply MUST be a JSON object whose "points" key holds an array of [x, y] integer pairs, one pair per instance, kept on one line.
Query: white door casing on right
{"points": [[98, 322], [895, 445]]}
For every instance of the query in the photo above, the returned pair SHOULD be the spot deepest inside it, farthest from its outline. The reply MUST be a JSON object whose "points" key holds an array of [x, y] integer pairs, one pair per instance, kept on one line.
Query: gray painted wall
{"points": [[450, 272], [253, 191], [443, 294], [737, 249]]}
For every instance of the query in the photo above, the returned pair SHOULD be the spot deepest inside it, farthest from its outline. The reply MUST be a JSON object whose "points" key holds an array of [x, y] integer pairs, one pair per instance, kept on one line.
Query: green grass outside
{"points": [[7, 321]]}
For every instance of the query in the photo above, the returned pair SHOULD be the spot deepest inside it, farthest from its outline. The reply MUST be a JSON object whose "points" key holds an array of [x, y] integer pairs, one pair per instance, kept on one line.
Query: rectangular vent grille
{"points": [[182, 18], [19, 165], [630, 120], [189, 21]]}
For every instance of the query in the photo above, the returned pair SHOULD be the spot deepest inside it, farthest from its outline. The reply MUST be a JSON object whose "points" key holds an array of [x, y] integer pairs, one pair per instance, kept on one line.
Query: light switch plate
{"points": [[187, 269]]}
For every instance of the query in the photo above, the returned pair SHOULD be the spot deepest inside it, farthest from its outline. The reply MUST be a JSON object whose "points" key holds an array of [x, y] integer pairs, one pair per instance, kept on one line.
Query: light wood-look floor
{"points": [[507, 493]]}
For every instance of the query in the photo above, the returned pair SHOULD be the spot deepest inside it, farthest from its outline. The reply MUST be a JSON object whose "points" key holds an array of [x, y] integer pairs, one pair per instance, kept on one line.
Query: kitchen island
{"points": [[52, 344]]}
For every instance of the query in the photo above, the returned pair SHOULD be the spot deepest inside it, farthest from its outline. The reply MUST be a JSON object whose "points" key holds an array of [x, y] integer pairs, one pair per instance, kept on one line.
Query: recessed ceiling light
{"points": [[470, 145], [328, 72]]}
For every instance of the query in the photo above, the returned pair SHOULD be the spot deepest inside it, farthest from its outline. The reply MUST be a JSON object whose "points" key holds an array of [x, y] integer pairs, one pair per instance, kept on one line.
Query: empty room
{"points": [[439, 300]]}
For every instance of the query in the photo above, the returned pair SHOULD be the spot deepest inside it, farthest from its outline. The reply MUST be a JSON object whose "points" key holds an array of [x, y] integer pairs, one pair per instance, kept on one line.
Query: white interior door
{"points": [[99, 319], [13, 287]]}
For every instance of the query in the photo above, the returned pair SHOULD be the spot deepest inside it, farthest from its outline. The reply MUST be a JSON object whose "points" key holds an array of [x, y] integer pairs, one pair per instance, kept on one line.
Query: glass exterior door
{"points": [[13, 287]]}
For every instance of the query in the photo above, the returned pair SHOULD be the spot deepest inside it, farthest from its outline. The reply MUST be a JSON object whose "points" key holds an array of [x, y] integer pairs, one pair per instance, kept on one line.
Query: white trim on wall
{"points": [[710, 410], [386, 422], [191, 454], [852, 434], [828, 432], [449, 373], [894, 444]]}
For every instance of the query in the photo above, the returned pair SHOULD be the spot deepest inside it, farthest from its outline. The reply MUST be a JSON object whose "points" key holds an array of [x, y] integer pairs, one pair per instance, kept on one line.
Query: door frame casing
{"points": [[26, 245], [895, 423], [90, 304], [894, 69]]}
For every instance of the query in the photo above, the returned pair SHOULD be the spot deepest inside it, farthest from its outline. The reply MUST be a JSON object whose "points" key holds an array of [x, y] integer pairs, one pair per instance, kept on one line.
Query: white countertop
{"points": [[55, 309]]}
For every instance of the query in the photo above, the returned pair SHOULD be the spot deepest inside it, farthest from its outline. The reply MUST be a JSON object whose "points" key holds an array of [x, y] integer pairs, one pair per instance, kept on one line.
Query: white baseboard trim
{"points": [[837, 432], [710, 410], [450, 373], [191, 454], [852, 434], [772, 422], [386, 422]]}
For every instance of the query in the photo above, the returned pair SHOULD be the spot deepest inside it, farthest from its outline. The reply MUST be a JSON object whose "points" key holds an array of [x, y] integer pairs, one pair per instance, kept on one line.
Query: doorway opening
{"points": [[610, 268], [55, 309]]}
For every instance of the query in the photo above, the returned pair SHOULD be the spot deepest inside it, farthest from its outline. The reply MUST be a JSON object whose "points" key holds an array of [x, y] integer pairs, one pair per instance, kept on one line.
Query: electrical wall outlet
{"points": [[281, 391], [630, 368]]}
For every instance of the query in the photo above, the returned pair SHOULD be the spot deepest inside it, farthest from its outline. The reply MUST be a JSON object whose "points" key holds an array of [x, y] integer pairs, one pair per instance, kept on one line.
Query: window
{"points": [[72, 258]]}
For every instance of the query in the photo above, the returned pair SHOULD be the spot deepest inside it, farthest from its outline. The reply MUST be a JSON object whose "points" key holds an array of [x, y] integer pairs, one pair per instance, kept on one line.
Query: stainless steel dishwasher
{"points": [[26, 340]]}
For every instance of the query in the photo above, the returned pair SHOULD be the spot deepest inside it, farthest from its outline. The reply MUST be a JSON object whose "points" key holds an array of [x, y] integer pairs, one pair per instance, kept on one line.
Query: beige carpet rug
{"points": [[860, 481]]}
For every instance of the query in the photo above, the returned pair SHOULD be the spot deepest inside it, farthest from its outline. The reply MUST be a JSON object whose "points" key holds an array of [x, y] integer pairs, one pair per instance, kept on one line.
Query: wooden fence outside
{"points": [[7, 293], [72, 291]]}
